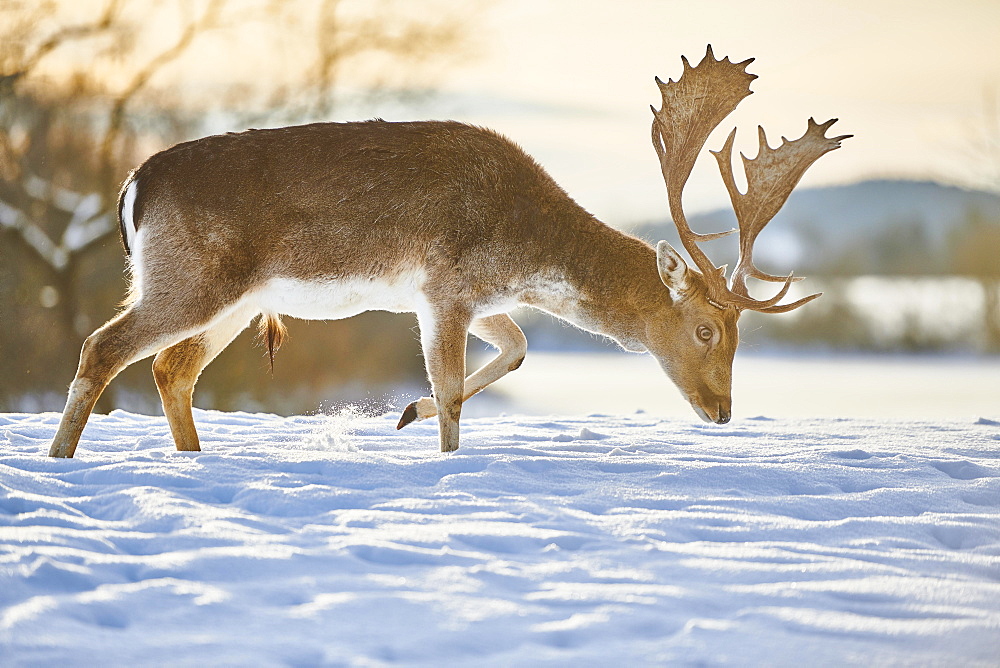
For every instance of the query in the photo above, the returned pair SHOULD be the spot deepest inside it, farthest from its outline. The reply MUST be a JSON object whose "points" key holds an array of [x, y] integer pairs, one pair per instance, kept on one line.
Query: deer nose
{"points": [[724, 415]]}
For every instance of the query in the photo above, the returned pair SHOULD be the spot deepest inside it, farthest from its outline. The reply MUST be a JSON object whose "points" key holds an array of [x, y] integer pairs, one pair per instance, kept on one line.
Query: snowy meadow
{"points": [[596, 540]]}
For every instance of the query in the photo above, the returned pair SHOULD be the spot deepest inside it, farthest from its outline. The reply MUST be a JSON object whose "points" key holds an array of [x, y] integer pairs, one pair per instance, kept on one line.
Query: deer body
{"points": [[334, 219], [324, 221], [449, 221]]}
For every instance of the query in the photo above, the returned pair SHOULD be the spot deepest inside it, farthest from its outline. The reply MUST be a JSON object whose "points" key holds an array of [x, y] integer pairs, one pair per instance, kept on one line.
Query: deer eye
{"points": [[704, 333]]}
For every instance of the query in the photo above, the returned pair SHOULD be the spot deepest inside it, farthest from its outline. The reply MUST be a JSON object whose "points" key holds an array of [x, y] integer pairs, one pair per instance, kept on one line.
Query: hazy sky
{"points": [[572, 81]]}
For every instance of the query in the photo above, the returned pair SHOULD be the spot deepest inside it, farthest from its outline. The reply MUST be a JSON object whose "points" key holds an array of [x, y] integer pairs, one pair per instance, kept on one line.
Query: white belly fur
{"points": [[341, 298]]}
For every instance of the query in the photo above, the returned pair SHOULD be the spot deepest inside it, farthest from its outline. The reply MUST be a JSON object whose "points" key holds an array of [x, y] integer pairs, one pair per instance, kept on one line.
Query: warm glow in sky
{"points": [[572, 81]]}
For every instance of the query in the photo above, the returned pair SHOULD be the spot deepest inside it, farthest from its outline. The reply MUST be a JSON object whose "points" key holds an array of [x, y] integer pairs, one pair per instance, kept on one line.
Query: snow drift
{"points": [[606, 540]]}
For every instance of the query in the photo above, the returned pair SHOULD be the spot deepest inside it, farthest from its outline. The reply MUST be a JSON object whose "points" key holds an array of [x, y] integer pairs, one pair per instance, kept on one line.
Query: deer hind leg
{"points": [[130, 336], [176, 370], [143, 329], [501, 332]]}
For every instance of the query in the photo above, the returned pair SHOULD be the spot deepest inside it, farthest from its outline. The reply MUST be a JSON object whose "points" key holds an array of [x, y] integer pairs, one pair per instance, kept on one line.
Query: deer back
{"points": [[340, 200]]}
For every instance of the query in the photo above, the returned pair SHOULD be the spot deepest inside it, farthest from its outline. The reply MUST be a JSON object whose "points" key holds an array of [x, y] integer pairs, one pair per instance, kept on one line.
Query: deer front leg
{"points": [[501, 332], [442, 337]]}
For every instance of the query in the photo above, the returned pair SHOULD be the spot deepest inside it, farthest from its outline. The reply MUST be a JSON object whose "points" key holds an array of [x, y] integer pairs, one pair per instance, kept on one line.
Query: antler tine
{"points": [[771, 177], [785, 308], [692, 108]]}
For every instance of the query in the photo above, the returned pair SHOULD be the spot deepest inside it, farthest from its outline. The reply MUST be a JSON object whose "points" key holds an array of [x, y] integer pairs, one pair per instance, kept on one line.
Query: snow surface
{"points": [[598, 540]]}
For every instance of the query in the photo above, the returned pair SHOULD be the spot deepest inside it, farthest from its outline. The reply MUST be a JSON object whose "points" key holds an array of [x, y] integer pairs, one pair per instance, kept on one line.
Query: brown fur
{"points": [[450, 221], [272, 333], [222, 216]]}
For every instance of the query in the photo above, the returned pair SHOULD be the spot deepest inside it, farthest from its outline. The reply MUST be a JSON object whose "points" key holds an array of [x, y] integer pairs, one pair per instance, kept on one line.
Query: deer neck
{"points": [[605, 282]]}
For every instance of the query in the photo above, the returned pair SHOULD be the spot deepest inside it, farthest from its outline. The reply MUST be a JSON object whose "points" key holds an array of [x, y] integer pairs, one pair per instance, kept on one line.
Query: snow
{"points": [[594, 540]]}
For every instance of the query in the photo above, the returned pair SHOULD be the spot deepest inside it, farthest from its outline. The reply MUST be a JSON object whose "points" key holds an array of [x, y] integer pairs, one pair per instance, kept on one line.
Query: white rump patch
{"points": [[136, 264], [128, 215]]}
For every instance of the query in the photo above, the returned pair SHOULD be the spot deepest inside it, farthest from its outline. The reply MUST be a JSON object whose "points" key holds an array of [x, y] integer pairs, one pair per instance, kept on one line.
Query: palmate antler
{"points": [[693, 107]]}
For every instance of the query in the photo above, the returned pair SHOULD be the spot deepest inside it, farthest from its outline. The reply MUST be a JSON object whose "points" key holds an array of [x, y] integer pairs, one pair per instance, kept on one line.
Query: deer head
{"points": [[705, 309]]}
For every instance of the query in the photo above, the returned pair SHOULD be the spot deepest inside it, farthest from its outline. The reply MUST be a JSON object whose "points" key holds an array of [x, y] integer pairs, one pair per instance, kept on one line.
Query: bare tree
{"points": [[974, 248], [974, 245], [82, 99]]}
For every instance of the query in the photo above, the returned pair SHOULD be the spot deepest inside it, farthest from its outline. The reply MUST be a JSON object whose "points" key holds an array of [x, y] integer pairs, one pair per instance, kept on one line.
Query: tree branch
{"points": [[33, 237], [141, 79], [90, 222], [68, 33]]}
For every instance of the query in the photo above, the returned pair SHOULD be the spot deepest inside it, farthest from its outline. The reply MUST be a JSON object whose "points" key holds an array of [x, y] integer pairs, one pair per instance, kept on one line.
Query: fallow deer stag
{"points": [[449, 221]]}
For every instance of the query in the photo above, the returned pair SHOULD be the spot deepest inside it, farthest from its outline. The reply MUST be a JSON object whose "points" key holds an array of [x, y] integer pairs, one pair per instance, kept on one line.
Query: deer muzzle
{"points": [[712, 407]]}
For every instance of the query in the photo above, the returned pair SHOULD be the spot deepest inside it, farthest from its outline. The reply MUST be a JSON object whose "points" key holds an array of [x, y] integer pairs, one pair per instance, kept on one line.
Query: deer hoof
{"points": [[409, 415]]}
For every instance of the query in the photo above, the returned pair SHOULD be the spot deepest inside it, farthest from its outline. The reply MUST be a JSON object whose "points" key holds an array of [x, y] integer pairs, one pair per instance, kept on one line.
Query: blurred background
{"points": [[900, 229]]}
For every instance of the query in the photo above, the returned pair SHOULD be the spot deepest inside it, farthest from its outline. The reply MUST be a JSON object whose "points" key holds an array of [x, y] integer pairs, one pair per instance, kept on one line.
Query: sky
{"points": [[572, 80]]}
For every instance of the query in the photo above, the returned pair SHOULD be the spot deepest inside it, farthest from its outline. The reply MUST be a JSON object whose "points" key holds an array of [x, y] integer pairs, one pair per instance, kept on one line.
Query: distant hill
{"points": [[818, 224]]}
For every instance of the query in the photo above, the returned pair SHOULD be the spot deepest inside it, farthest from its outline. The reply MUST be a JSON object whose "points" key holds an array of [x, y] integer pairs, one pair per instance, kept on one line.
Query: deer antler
{"points": [[771, 177], [693, 107]]}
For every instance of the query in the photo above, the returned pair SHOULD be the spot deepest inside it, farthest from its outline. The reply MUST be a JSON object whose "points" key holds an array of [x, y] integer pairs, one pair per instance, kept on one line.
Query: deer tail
{"points": [[271, 332]]}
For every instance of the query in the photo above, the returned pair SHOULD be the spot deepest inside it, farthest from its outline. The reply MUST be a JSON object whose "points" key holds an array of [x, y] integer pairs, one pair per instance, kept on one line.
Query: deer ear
{"points": [[673, 270]]}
